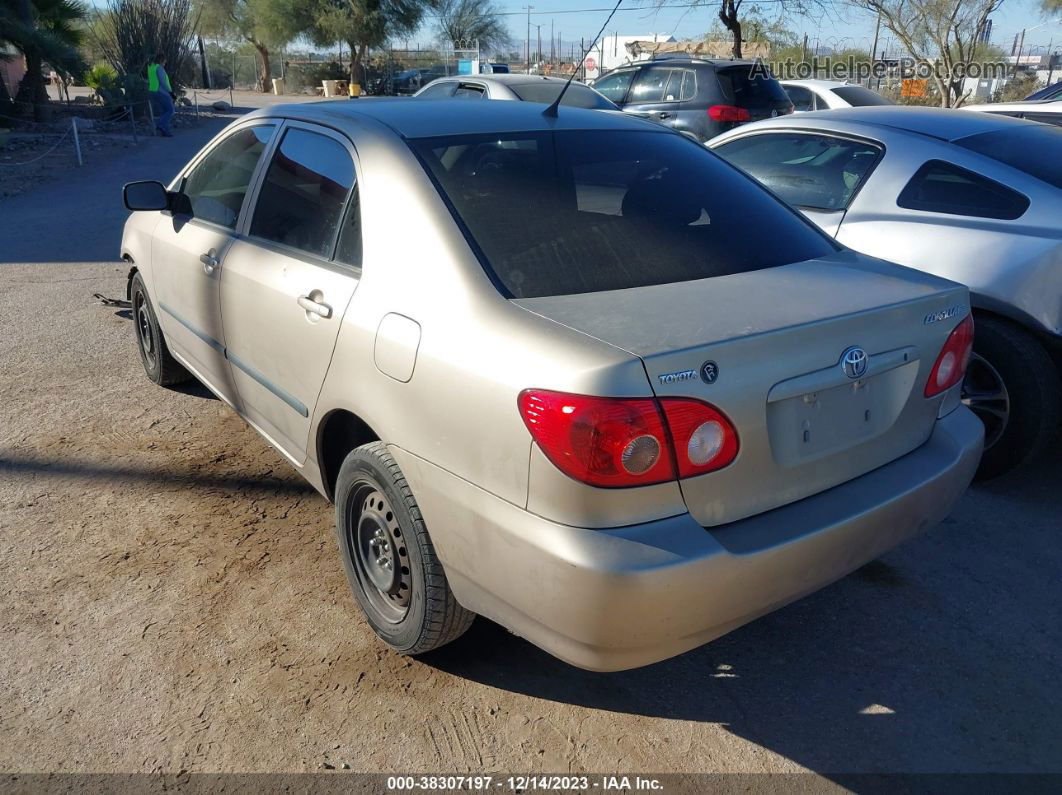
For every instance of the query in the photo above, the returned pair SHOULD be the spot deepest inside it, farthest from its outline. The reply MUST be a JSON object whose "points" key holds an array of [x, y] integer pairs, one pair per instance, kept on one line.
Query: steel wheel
{"points": [[378, 550], [145, 331], [985, 394]]}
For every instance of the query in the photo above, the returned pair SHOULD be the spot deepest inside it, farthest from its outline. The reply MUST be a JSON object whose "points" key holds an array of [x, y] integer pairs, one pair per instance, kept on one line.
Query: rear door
{"points": [[287, 283], [190, 244], [749, 87], [664, 94]]}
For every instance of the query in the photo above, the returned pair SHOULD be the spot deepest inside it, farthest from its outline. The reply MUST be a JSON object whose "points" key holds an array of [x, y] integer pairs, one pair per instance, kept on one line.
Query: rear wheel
{"points": [[1012, 385], [158, 362], [389, 558]]}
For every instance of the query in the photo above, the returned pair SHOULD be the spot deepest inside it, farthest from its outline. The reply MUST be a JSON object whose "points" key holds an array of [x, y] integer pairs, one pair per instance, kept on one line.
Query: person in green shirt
{"points": [[161, 94]]}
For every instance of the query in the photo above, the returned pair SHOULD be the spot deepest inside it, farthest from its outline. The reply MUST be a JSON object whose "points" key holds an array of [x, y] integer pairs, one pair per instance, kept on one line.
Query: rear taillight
{"points": [[728, 113], [618, 442], [950, 366]]}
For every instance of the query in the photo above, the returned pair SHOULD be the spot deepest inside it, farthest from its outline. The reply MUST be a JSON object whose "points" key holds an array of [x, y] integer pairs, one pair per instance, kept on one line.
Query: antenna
{"points": [[552, 109]]}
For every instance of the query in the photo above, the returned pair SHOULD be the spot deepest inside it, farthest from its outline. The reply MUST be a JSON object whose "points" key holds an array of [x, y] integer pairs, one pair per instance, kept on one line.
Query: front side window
{"points": [[817, 172], [557, 213], [615, 85], [940, 187], [650, 85], [216, 186], [304, 192]]}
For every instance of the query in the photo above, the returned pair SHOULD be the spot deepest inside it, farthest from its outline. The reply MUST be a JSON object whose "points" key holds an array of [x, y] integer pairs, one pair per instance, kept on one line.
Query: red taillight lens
{"points": [[615, 442], [728, 113], [704, 438], [950, 366]]}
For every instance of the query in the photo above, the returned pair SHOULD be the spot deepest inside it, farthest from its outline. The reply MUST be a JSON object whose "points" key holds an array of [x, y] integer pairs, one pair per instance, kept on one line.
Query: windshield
{"points": [[583, 211], [577, 95], [857, 96], [1033, 148]]}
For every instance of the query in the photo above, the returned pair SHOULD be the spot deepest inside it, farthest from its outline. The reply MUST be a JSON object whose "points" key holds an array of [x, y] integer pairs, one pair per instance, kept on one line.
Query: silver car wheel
{"points": [[985, 394], [378, 551], [145, 332]]}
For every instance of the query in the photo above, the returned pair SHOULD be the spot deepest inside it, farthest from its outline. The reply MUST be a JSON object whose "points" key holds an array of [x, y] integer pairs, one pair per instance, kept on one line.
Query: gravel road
{"points": [[173, 598]]}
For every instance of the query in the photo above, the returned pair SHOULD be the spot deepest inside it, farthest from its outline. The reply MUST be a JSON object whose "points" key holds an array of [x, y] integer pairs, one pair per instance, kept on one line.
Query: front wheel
{"points": [[1012, 385], [389, 558], [155, 355]]}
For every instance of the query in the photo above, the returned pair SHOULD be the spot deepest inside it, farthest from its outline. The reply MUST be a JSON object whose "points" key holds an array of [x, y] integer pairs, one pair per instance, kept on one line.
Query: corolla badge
{"points": [[854, 362]]}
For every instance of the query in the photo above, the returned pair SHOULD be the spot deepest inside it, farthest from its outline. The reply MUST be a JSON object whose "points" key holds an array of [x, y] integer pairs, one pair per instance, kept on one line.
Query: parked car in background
{"points": [[698, 97], [528, 88], [808, 95], [411, 80], [592, 382], [972, 197], [1053, 91], [1048, 111]]}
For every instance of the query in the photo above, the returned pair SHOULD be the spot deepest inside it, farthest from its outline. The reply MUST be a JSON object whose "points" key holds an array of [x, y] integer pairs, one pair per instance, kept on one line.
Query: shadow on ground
{"points": [[927, 660]]}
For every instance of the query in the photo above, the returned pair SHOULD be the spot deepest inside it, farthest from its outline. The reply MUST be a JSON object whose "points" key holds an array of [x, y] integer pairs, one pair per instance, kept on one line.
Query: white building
{"points": [[611, 52]]}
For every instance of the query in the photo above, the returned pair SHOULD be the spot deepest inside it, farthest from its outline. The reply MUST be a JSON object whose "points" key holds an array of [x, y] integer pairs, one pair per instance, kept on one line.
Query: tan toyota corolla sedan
{"points": [[575, 373]]}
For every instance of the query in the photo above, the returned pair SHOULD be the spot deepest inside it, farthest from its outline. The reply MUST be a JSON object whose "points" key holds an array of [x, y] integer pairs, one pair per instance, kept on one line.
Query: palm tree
{"points": [[43, 31]]}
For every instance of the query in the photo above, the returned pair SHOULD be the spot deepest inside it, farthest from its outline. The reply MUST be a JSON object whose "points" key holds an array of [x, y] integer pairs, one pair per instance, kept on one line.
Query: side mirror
{"points": [[146, 195]]}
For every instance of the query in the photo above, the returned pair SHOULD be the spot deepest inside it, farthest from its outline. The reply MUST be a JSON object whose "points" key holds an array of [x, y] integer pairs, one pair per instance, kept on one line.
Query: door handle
{"points": [[663, 115], [314, 307], [210, 261]]}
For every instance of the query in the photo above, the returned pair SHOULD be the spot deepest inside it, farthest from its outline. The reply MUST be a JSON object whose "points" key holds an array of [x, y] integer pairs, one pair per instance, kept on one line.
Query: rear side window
{"points": [[470, 91], [216, 186], [818, 172], [940, 187], [664, 85], [858, 97], [577, 95], [582, 211], [749, 87], [801, 98], [1032, 148], [304, 192]]}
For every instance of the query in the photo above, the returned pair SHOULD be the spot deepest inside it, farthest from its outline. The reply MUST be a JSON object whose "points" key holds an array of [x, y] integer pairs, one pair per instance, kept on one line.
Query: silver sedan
{"points": [[572, 373], [521, 88], [969, 196]]}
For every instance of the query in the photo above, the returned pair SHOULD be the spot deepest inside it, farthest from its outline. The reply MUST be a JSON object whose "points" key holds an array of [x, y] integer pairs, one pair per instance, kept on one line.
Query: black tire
{"points": [[158, 362], [409, 604], [1022, 418]]}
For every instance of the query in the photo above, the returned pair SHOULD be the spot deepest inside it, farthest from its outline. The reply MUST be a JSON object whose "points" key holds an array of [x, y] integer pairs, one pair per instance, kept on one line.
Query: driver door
{"points": [[190, 245]]}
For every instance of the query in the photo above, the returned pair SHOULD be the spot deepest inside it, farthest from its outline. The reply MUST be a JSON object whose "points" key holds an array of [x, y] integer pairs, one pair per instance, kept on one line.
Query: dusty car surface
{"points": [[971, 197], [596, 385]]}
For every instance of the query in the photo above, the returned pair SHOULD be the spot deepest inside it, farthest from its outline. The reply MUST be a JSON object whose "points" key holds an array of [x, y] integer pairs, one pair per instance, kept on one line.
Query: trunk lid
{"points": [[775, 339]]}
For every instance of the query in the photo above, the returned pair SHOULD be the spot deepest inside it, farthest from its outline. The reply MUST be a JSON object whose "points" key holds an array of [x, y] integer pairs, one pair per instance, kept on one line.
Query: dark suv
{"points": [[696, 96]]}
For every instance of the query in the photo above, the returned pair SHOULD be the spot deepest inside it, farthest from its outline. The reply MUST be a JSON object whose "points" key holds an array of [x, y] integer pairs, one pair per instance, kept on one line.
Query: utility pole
{"points": [[1021, 44], [538, 46], [551, 40], [527, 51], [874, 49], [804, 49]]}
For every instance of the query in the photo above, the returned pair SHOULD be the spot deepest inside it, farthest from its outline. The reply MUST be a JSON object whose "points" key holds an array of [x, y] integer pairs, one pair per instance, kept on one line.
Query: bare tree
{"points": [[943, 36], [731, 16]]}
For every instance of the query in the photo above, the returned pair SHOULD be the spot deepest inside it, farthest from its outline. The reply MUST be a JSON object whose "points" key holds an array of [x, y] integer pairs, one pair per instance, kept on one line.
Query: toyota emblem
{"points": [[854, 362]]}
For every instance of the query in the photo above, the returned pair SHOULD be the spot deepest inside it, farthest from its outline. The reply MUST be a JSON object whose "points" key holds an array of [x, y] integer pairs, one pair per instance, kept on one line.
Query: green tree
{"points": [[462, 22], [42, 31], [266, 24], [361, 24], [1051, 7]]}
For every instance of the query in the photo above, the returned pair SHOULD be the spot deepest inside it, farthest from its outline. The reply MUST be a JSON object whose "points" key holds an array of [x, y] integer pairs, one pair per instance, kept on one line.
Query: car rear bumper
{"points": [[624, 597]]}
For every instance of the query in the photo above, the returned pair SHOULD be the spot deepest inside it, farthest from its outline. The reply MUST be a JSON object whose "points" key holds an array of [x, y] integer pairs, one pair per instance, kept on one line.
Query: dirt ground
{"points": [[174, 601], [173, 598]]}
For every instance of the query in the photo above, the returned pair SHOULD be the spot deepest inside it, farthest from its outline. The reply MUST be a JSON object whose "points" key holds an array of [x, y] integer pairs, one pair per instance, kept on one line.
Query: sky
{"points": [[677, 18], [575, 19]]}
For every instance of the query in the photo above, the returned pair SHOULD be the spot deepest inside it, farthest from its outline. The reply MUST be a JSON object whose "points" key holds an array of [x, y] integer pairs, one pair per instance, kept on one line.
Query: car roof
{"points": [[817, 83], [1036, 105], [946, 124], [424, 118], [508, 78]]}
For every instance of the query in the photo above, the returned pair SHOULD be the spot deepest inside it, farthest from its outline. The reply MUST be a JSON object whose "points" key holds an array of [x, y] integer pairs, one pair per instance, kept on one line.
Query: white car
{"points": [[807, 95], [1044, 110]]}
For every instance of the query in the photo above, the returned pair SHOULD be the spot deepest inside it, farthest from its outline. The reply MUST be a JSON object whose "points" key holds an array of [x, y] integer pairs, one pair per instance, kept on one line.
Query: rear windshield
{"points": [[751, 89], [558, 213], [1033, 148], [857, 96], [577, 95]]}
